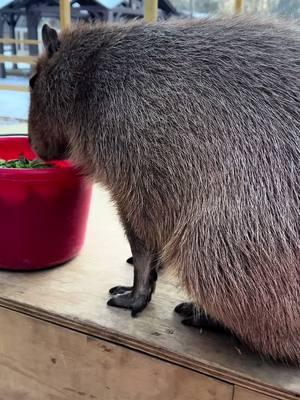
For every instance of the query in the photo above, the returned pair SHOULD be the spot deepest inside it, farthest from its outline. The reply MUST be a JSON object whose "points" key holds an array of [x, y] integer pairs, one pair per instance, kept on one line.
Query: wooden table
{"points": [[59, 340]]}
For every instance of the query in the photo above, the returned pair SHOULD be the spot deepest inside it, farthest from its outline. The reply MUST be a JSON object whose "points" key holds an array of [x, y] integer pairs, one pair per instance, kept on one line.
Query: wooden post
{"points": [[2, 65], [150, 10], [33, 19], [64, 13], [238, 6], [12, 26], [192, 8]]}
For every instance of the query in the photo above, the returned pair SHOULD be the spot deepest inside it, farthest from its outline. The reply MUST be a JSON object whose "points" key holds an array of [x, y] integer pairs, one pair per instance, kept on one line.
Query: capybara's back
{"points": [[195, 129]]}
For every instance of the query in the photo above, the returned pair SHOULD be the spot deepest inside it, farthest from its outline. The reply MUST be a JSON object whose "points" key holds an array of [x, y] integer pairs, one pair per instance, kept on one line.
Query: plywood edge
{"points": [[201, 366], [240, 393]]}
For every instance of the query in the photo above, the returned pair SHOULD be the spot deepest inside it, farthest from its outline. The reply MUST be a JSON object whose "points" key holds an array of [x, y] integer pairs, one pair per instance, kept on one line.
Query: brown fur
{"points": [[194, 127]]}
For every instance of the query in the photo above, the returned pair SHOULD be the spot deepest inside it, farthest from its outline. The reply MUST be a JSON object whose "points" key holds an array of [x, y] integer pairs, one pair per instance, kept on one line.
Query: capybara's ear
{"points": [[50, 40]]}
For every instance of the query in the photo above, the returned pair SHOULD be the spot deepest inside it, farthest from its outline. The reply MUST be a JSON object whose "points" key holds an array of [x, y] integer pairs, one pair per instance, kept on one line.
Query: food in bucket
{"points": [[23, 162]]}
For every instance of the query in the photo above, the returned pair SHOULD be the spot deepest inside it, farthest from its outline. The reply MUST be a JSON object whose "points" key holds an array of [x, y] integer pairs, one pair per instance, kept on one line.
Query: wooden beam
{"points": [[150, 10], [14, 88], [18, 59], [17, 41], [238, 6], [127, 11], [65, 13], [54, 12]]}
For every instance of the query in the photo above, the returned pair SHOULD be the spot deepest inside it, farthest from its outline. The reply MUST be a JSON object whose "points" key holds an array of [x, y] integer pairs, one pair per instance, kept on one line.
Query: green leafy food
{"points": [[23, 162]]}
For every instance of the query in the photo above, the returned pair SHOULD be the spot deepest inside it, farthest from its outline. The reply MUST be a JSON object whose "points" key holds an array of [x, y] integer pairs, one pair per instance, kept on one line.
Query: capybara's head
{"points": [[47, 106]]}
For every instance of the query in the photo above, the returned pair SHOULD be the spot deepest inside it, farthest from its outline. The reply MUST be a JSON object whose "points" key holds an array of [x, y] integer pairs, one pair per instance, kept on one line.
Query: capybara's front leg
{"points": [[125, 289], [158, 263], [137, 297]]}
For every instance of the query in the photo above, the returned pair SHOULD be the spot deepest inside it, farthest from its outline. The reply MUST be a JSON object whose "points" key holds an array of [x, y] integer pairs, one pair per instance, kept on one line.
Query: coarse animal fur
{"points": [[194, 128]]}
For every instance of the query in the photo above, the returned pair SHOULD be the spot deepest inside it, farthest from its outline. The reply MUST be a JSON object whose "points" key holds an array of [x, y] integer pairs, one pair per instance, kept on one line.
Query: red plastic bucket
{"points": [[43, 212]]}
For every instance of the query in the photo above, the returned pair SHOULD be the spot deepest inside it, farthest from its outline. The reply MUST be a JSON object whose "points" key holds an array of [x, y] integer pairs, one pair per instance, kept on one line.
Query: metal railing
{"points": [[65, 20], [17, 59]]}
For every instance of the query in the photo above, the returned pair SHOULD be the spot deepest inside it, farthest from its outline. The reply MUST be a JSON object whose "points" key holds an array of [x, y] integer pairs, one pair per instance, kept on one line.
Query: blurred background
{"points": [[21, 22], [202, 8]]}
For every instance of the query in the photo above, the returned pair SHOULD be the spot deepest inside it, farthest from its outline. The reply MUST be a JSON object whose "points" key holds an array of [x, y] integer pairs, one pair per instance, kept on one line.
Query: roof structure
{"points": [[109, 4], [4, 3]]}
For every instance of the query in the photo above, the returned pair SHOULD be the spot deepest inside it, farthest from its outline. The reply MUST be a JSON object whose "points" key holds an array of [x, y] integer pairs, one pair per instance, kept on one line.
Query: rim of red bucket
{"points": [[61, 168]]}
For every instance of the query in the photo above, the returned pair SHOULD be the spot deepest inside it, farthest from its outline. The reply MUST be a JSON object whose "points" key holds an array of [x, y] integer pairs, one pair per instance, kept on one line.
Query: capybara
{"points": [[194, 128]]}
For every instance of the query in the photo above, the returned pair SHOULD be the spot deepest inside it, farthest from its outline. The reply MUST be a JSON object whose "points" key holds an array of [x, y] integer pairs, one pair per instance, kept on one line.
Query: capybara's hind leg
{"points": [[197, 318]]}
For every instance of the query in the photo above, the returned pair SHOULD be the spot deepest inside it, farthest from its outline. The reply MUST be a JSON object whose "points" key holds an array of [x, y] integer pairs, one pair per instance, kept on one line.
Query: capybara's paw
{"points": [[195, 322], [186, 309], [135, 303], [201, 320], [120, 289], [130, 260]]}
